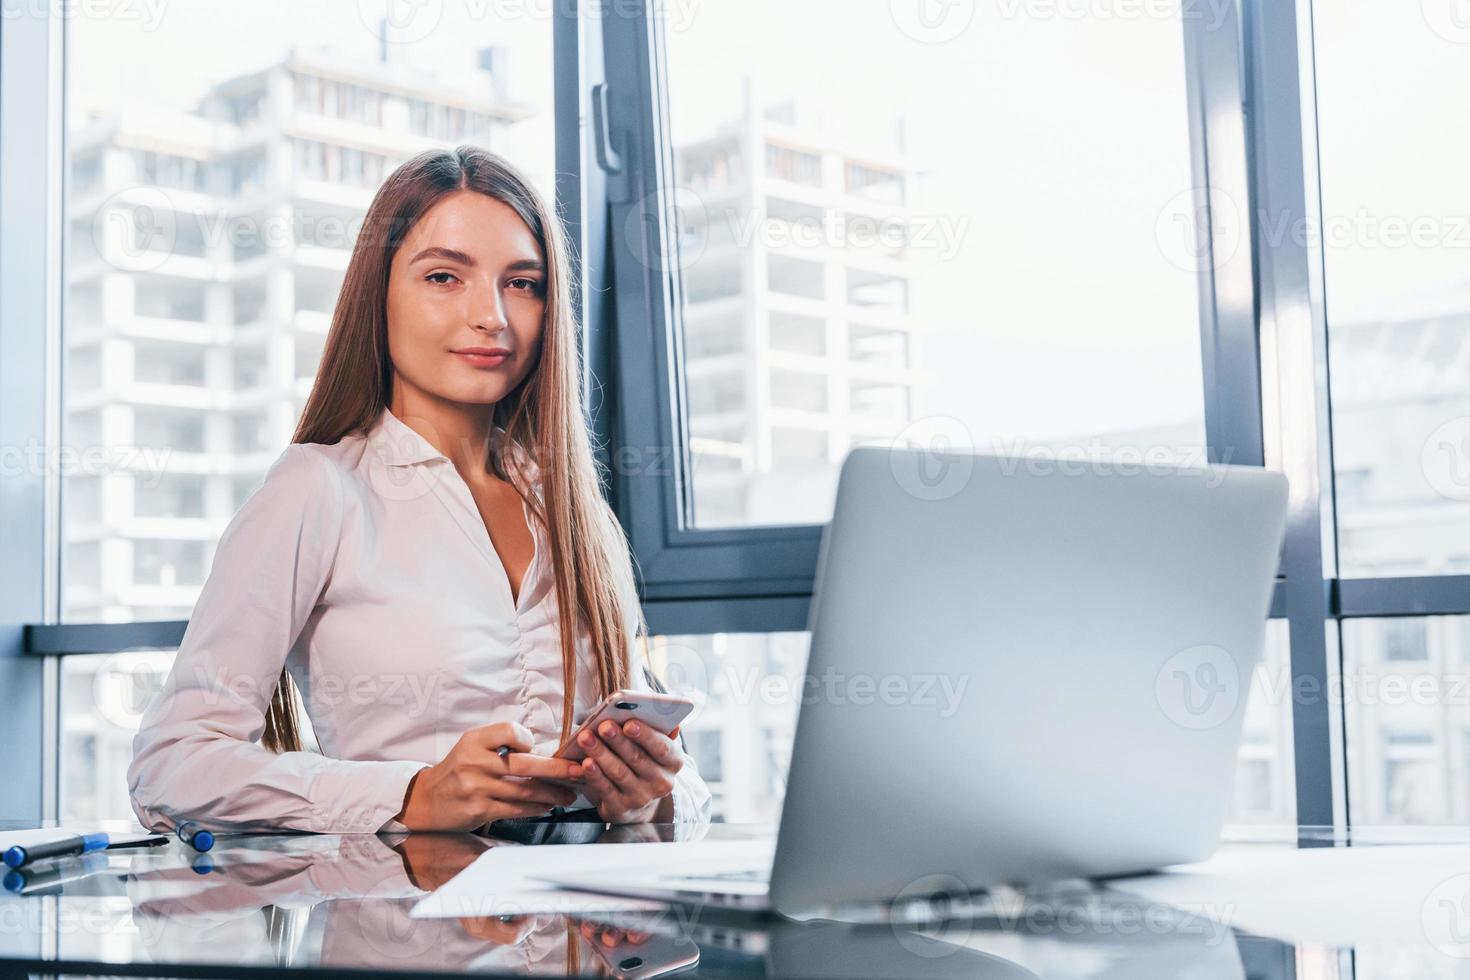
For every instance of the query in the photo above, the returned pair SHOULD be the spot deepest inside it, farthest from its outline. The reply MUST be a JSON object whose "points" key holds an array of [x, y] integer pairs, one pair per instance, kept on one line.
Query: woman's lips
{"points": [[482, 360]]}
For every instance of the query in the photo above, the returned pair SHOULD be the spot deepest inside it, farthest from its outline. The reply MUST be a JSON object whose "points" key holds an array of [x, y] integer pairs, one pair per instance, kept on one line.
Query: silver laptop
{"points": [[1023, 670]]}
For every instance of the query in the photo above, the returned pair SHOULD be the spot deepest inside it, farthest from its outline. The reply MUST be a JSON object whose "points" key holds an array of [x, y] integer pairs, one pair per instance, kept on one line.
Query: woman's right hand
{"points": [[472, 785]]}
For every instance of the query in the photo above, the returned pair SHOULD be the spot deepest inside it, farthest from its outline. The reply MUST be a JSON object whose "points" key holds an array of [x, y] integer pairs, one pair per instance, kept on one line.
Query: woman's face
{"points": [[468, 277]]}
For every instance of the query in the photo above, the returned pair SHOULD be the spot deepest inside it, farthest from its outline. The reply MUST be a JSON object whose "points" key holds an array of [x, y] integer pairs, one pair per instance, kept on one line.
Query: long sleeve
{"points": [[197, 754], [692, 800]]}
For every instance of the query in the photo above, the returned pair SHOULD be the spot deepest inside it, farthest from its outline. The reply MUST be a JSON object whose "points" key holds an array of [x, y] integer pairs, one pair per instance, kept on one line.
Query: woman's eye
{"points": [[529, 285], [431, 277]]}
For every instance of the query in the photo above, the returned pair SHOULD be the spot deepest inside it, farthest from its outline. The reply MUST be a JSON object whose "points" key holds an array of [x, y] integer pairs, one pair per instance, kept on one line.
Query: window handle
{"points": [[608, 158]]}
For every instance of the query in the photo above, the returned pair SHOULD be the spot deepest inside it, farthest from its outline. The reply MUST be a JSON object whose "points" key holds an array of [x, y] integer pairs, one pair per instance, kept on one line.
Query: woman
{"points": [[430, 562]]}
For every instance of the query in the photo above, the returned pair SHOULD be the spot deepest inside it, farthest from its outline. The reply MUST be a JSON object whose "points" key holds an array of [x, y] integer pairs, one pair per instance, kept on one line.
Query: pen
{"points": [[17, 856], [194, 835]]}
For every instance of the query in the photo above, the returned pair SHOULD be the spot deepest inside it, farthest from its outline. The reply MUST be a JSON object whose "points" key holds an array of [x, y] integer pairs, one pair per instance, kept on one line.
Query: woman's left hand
{"points": [[629, 771]]}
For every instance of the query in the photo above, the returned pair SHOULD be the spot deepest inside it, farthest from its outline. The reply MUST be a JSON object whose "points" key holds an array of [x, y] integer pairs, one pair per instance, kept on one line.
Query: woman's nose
{"points": [[487, 309]]}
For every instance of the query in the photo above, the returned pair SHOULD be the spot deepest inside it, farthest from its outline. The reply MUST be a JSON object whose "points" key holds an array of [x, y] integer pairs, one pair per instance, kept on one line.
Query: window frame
{"points": [[30, 330]]}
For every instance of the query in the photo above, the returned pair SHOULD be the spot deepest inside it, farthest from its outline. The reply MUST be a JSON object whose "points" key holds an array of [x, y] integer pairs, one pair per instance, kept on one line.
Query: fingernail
{"points": [[586, 740], [634, 728], [589, 766], [609, 729]]}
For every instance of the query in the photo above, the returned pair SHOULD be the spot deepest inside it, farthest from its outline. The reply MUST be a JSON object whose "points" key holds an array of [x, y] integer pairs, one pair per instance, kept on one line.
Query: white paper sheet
{"points": [[504, 880], [1340, 896]]}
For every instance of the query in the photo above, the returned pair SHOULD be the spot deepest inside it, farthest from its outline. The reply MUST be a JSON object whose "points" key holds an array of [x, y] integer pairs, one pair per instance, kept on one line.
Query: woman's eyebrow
{"points": [[455, 255], [440, 252]]}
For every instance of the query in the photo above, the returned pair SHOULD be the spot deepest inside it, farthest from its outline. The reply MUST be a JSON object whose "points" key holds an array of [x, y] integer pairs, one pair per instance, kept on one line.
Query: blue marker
{"points": [[195, 836], [18, 856]]}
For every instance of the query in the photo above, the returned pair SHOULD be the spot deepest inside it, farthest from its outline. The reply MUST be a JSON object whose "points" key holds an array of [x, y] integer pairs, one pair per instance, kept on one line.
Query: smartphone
{"points": [[661, 712]]}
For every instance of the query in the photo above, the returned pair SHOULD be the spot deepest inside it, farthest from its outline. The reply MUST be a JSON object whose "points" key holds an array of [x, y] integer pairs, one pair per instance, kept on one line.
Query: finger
{"points": [[660, 748], [540, 766], [626, 748], [613, 767], [492, 737], [643, 765], [531, 791], [599, 788]]}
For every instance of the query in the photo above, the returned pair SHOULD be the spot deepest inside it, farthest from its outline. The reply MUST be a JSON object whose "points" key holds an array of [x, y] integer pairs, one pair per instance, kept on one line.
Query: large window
{"points": [[1397, 305], [1009, 272], [1019, 274], [1395, 232], [214, 196], [1406, 695], [1026, 228]]}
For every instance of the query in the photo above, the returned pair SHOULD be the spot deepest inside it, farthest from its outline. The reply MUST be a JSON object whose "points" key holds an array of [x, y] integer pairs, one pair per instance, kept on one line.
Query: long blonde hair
{"points": [[543, 416]]}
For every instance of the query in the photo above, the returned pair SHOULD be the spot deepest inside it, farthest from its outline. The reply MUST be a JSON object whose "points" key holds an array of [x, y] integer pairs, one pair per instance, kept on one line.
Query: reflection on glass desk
{"points": [[271, 904]]}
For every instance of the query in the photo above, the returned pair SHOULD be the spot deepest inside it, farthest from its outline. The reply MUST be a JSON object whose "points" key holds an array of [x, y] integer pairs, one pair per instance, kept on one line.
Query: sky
{"points": [[1051, 136]]}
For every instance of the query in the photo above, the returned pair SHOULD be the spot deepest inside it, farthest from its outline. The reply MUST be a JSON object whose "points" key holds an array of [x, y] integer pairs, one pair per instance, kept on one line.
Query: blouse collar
{"points": [[399, 444]]}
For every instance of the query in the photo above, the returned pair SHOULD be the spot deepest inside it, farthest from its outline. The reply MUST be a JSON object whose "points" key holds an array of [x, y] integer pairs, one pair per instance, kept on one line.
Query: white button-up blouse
{"points": [[366, 569]]}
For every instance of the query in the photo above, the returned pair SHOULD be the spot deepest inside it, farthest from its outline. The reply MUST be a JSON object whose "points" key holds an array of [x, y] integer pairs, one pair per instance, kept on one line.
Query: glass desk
{"points": [[261, 906]]}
